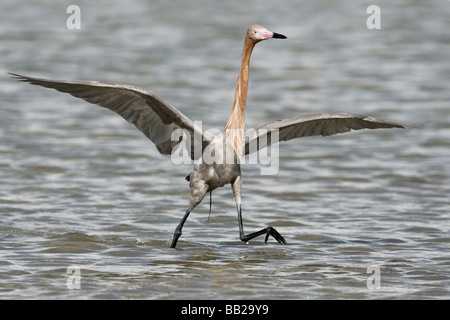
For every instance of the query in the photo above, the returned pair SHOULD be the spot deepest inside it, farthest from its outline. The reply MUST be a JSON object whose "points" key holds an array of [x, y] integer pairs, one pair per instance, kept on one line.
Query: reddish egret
{"points": [[157, 120]]}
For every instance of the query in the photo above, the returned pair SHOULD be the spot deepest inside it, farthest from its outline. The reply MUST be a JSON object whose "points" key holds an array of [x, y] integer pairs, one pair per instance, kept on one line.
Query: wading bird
{"points": [[157, 119]]}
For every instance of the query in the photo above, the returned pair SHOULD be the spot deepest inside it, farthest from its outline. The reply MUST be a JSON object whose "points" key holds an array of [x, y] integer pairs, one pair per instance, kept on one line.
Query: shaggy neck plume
{"points": [[234, 129]]}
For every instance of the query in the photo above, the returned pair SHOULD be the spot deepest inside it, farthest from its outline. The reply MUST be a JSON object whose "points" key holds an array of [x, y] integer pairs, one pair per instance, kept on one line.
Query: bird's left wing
{"points": [[324, 124], [150, 114]]}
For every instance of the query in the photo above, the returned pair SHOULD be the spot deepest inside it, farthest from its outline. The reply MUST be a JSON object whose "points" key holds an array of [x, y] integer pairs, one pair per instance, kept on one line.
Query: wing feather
{"points": [[154, 117], [325, 124]]}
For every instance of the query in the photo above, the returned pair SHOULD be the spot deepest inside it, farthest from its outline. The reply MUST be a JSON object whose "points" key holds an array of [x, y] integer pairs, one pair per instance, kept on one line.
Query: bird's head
{"points": [[258, 33]]}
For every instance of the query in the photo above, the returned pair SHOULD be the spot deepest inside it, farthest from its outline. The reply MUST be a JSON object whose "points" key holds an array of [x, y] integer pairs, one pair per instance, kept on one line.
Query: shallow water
{"points": [[82, 188]]}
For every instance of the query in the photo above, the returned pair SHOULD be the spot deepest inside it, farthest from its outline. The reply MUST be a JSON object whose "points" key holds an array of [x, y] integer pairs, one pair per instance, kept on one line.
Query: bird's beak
{"points": [[266, 34], [278, 36]]}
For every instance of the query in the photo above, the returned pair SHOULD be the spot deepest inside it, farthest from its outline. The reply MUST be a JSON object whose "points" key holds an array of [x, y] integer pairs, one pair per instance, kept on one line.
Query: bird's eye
{"points": [[255, 32]]}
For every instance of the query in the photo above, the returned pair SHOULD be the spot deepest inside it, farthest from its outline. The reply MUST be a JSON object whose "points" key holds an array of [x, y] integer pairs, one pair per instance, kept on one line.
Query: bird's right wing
{"points": [[324, 124], [154, 117]]}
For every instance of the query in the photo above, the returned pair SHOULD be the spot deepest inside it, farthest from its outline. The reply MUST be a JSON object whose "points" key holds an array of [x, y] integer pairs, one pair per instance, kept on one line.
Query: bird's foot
{"points": [[274, 233], [269, 231]]}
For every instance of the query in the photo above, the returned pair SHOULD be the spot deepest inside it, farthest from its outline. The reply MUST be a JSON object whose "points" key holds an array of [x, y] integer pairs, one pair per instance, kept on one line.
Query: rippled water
{"points": [[81, 187]]}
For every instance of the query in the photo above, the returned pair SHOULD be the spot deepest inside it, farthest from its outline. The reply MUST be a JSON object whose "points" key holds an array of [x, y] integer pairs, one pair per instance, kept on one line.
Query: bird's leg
{"points": [[268, 231], [198, 191], [178, 232]]}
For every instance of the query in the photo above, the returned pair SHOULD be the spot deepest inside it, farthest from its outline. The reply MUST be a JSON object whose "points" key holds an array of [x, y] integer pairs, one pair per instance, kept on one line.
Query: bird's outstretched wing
{"points": [[324, 124], [153, 116]]}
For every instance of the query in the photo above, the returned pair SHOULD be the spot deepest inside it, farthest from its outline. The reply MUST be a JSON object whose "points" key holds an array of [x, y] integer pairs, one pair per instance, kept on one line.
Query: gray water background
{"points": [[81, 187]]}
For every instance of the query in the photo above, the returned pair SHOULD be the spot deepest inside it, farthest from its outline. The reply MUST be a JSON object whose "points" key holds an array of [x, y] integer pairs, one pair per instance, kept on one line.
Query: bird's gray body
{"points": [[213, 173]]}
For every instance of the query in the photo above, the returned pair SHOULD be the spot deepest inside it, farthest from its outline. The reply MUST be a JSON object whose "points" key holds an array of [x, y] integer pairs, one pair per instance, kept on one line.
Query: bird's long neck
{"points": [[234, 128]]}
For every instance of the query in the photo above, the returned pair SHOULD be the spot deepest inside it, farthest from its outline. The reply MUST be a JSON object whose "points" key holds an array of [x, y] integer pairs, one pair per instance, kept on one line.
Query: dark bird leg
{"points": [[198, 191], [268, 231], [177, 233]]}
